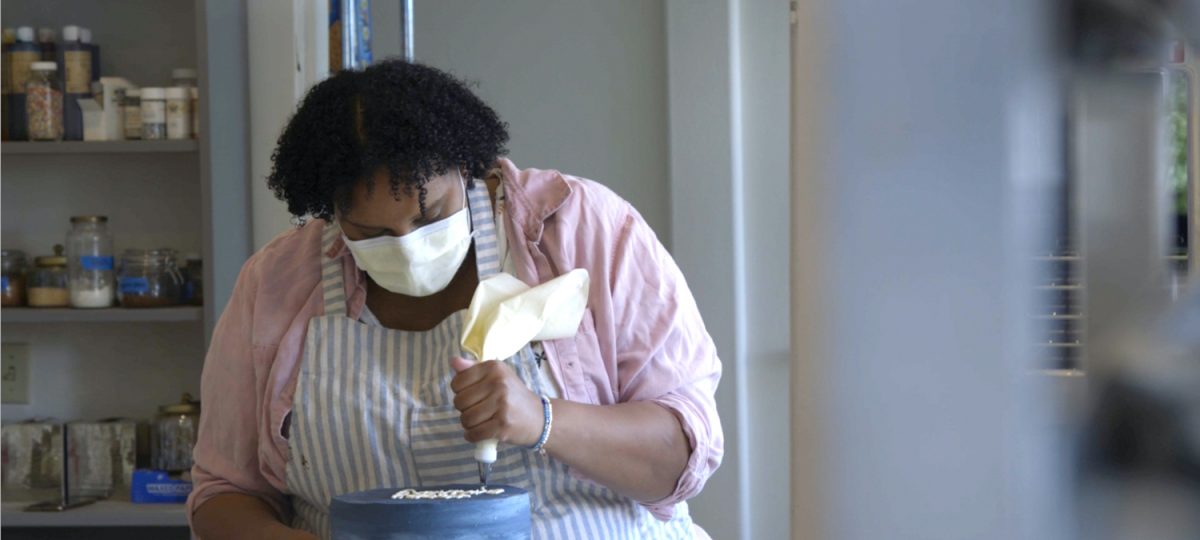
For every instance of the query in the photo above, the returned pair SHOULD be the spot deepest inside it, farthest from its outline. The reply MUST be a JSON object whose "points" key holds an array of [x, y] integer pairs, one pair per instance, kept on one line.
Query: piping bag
{"points": [[506, 314]]}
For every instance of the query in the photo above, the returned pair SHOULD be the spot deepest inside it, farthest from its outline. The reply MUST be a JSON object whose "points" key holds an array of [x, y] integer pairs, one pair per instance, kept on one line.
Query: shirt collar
{"points": [[533, 196]]}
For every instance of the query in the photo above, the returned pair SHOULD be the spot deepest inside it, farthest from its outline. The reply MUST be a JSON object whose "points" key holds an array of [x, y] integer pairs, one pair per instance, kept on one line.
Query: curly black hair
{"points": [[414, 121]]}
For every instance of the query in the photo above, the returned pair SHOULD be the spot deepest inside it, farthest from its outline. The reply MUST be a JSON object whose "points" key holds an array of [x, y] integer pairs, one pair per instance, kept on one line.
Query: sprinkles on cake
{"points": [[445, 493]]}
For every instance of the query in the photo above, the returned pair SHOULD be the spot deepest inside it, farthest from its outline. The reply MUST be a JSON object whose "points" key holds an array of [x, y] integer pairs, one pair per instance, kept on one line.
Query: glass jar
{"points": [[131, 109], [193, 281], [44, 103], [14, 270], [90, 262], [174, 435], [149, 279], [48, 282]]}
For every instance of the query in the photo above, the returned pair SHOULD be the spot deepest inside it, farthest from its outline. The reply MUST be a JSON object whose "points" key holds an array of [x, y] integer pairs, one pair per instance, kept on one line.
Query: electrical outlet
{"points": [[14, 373]]}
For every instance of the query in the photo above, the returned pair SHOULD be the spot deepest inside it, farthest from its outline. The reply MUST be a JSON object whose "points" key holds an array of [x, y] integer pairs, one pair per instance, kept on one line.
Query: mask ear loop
{"points": [[467, 204]]}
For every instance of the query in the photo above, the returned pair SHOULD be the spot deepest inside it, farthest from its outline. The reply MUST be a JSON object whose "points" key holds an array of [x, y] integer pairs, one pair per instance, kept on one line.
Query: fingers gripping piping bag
{"points": [[506, 314]]}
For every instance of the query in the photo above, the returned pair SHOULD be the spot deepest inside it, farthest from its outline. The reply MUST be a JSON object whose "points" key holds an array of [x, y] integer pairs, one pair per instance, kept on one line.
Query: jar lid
{"points": [[177, 92], [89, 219], [25, 34], [153, 93], [70, 33], [43, 66], [183, 73], [50, 261], [185, 406], [133, 92]]}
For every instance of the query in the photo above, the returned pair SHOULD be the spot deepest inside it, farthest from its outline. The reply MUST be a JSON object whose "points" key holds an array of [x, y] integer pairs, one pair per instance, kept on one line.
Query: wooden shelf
{"points": [[111, 315], [100, 514], [99, 147]]}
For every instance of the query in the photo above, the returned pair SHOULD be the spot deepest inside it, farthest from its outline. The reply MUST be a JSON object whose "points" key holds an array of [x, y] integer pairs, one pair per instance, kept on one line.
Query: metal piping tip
{"points": [[485, 470]]}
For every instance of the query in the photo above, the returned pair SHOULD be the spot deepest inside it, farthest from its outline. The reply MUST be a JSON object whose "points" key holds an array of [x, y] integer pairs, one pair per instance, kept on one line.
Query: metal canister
{"points": [[174, 435]]}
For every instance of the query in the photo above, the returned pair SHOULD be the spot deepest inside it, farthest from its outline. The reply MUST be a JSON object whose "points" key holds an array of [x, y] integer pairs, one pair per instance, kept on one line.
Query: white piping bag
{"points": [[506, 314]]}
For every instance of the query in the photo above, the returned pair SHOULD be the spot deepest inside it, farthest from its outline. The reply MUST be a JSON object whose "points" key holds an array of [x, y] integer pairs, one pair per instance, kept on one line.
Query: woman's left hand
{"points": [[495, 403]]}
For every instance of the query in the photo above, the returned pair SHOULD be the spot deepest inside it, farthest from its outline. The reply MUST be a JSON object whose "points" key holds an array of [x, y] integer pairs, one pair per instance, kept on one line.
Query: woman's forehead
{"points": [[376, 193]]}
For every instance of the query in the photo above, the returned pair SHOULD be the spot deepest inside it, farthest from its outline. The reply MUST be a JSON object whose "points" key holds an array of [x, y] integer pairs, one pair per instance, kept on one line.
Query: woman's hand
{"points": [[495, 403]]}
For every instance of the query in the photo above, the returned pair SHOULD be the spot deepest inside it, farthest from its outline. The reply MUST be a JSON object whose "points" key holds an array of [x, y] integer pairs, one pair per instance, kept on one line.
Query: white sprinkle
{"points": [[445, 493]]}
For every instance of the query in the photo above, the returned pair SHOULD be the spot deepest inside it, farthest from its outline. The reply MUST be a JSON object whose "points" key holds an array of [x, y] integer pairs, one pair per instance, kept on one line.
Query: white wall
{"points": [[763, 43], [728, 68], [288, 54], [581, 83]]}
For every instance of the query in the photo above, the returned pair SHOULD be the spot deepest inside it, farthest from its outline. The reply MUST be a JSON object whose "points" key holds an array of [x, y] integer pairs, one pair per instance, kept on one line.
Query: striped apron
{"points": [[373, 408]]}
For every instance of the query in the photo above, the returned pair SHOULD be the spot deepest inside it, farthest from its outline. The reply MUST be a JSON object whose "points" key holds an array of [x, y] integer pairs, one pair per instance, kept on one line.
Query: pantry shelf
{"points": [[98, 147], [112, 315], [101, 514]]}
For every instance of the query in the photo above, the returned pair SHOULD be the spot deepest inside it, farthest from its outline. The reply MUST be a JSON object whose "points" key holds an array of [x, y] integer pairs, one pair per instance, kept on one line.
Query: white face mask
{"points": [[420, 263]]}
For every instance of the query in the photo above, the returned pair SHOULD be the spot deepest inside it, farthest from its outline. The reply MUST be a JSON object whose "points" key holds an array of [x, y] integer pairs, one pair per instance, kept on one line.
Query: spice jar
{"points": [[48, 282], [174, 435], [44, 103], [193, 281], [186, 78], [154, 113], [149, 279], [179, 114], [90, 262], [131, 110], [12, 294]]}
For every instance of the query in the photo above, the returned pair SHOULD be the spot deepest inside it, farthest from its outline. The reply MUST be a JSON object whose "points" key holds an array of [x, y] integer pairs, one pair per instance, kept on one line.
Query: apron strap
{"points": [[483, 224], [332, 285], [487, 250]]}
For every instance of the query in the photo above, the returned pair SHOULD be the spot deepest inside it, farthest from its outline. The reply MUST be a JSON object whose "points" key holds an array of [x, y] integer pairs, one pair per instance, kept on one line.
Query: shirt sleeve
{"points": [[664, 353], [226, 455]]}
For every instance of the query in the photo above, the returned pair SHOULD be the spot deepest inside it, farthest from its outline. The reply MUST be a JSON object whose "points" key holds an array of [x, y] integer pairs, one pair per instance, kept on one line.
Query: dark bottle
{"points": [[22, 56], [77, 81], [46, 39], [85, 37], [10, 37]]}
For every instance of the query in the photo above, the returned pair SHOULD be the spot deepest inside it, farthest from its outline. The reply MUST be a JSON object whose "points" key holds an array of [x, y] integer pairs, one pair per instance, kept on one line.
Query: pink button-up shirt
{"points": [[641, 338]]}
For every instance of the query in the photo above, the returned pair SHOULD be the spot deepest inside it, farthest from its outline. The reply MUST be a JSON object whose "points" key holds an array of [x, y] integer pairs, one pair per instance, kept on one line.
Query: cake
{"points": [[463, 511]]}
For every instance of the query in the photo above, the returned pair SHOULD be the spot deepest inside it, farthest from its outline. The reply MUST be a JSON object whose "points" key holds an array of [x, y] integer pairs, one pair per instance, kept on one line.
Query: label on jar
{"points": [[4, 283], [154, 112], [92, 262], [178, 120], [21, 63], [133, 122], [78, 68], [134, 285]]}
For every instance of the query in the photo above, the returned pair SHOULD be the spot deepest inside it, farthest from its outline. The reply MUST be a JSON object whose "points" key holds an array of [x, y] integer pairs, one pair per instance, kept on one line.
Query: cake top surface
{"points": [[431, 494]]}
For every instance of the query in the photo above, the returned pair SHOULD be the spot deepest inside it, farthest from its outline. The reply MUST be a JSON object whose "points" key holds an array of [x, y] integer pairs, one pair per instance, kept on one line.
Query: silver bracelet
{"points": [[547, 424]]}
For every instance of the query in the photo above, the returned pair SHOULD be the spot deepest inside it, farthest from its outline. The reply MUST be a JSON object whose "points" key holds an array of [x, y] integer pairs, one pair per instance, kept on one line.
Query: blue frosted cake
{"points": [[499, 512]]}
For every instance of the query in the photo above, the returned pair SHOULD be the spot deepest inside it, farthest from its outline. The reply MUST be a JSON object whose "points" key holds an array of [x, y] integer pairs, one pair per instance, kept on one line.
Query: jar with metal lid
{"points": [[48, 282], [149, 279], [193, 280], [90, 262], [174, 435], [14, 273], [131, 109]]}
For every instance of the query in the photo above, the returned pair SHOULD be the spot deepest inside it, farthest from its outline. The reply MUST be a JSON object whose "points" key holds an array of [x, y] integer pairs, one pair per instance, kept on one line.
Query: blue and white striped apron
{"points": [[373, 408]]}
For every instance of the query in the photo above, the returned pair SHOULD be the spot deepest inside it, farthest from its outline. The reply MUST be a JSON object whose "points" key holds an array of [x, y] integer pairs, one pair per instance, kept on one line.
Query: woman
{"points": [[336, 366]]}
